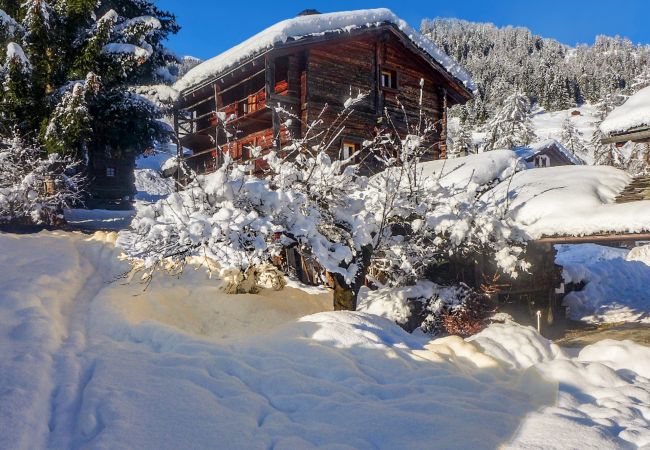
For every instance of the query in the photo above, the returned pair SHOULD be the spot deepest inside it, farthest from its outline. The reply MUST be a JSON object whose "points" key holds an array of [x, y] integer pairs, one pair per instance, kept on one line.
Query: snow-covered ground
{"points": [[616, 280], [91, 361]]}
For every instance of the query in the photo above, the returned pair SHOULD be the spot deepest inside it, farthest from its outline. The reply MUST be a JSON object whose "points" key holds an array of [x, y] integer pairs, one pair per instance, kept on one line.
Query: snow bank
{"points": [[85, 358], [641, 254], [634, 113], [520, 347], [315, 25], [616, 287], [569, 200]]}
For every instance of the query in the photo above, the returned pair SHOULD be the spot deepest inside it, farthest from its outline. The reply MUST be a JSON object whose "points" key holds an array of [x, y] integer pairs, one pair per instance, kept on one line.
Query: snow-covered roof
{"points": [[634, 113], [317, 25], [479, 170], [570, 201], [537, 147]]}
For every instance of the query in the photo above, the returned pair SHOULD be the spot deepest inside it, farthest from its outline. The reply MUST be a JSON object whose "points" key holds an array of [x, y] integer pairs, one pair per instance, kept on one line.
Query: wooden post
{"points": [[270, 93], [443, 130], [218, 157], [179, 150], [379, 61]]}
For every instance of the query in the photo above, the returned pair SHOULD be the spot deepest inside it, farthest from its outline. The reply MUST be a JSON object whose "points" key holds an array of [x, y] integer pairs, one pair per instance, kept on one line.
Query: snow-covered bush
{"points": [[430, 307], [35, 188], [399, 222]]}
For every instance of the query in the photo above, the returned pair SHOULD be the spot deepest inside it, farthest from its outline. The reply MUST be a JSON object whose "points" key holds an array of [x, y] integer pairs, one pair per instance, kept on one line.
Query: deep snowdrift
{"points": [[616, 280], [88, 363]]}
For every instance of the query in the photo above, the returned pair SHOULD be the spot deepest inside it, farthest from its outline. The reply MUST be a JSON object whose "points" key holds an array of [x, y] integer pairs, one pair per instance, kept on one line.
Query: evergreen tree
{"points": [[572, 139], [511, 126], [605, 154], [51, 93], [15, 91], [464, 144]]}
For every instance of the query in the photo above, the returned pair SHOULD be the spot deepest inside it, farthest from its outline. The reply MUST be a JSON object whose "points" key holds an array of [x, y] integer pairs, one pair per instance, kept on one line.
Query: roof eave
{"points": [[462, 95], [638, 134]]}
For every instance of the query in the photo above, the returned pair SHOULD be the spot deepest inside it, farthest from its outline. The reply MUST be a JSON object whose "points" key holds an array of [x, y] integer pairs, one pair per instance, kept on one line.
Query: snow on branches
{"points": [[314, 200], [511, 126], [34, 189]]}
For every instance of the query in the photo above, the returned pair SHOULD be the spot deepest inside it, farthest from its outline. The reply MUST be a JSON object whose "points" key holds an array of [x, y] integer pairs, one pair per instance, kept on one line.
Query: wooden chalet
{"points": [[309, 67]]}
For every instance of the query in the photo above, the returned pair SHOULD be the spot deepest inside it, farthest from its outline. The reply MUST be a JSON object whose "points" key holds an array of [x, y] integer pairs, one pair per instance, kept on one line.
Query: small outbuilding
{"points": [[549, 153]]}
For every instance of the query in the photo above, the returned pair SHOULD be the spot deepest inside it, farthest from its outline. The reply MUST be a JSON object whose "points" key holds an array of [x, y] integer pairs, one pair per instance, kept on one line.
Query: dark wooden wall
{"points": [[340, 69]]}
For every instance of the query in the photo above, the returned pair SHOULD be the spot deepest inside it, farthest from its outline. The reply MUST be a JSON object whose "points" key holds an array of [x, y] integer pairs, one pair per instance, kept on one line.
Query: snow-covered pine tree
{"points": [[70, 71], [604, 154], [639, 161], [511, 126], [15, 91], [572, 139], [463, 141]]}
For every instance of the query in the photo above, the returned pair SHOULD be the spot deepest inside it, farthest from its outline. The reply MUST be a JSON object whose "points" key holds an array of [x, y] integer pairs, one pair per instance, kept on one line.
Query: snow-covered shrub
{"points": [[432, 308], [399, 221], [34, 187]]}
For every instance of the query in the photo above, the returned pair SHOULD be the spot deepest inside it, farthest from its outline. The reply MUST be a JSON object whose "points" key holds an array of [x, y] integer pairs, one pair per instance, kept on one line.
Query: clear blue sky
{"points": [[212, 26]]}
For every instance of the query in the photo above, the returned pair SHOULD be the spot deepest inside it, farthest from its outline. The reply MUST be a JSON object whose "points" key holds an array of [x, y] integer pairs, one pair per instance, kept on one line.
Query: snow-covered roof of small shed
{"points": [[634, 113], [569, 201], [318, 25], [533, 149]]}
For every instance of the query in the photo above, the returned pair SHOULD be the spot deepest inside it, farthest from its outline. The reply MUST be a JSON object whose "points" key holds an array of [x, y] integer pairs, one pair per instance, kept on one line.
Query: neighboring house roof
{"points": [[570, 201], [631, 119], [318, 25], [529, 152]]}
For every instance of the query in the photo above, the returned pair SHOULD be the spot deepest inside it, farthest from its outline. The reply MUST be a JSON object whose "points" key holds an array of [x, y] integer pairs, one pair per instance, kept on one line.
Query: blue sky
{"points": [[212, 26]]}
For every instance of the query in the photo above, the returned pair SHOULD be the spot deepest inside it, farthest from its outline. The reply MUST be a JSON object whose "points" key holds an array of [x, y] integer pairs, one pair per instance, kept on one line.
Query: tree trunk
{"points": [[345, 297]]}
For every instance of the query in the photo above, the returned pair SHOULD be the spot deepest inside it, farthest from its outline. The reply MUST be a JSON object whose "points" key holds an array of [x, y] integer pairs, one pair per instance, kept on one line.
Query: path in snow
{"points": [[87, 363]]}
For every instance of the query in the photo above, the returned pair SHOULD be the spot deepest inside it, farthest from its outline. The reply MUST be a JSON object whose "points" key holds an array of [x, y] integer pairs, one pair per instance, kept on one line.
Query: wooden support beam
{"points": [[270, 91], [636, 136], [614, 237]]}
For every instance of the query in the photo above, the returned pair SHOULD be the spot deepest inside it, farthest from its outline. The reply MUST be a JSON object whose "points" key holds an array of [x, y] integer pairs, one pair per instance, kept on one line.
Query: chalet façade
{"points": [[305, 63]]}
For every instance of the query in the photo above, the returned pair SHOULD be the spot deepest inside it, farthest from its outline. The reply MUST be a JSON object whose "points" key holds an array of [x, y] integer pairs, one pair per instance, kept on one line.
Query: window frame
{"points": [[111, 172], [350, 142], [542, 158], [394, 78]]}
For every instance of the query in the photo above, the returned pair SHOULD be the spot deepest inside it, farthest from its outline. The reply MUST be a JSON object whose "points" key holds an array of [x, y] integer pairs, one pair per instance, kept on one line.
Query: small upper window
{"points": [[542, 161], [388, 79], [348, 149], [110, 172]]}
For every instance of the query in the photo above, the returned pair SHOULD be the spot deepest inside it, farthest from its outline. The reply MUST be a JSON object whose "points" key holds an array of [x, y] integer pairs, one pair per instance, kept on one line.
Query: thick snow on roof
{"points": [[536, 147], [569, 201], [634, 113], [480, 169], [314, 25]]}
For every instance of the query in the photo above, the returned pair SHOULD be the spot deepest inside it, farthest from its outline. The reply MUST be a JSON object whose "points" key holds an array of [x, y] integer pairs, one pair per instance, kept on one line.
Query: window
{"points": [[110, 172], [388, 79], [348, 149], [542, 161]]}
